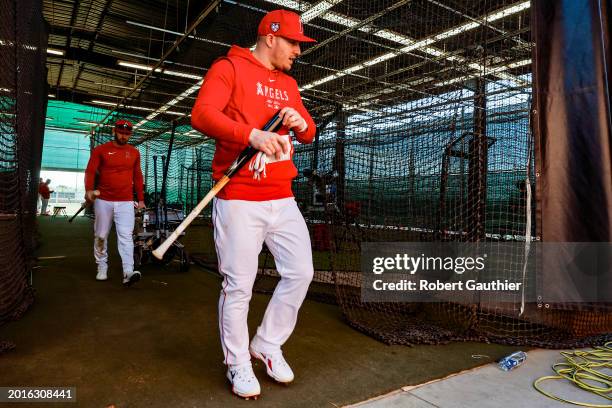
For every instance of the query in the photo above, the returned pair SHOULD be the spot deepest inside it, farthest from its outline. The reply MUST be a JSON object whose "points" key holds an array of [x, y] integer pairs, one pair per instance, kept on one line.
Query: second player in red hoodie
{"points": [[240, 93]]}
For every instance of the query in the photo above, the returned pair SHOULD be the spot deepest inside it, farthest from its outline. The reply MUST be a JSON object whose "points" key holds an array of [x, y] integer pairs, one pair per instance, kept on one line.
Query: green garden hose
{"points": [[585, 369]]}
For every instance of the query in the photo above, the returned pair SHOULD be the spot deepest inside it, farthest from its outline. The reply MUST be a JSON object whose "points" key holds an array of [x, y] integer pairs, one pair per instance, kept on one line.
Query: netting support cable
{"points": [[527, 212], [339, 162]]}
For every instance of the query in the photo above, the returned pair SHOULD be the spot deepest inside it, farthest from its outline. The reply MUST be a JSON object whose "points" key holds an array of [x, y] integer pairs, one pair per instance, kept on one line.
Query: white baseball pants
{"points": [[122, 213], [241, 228]]}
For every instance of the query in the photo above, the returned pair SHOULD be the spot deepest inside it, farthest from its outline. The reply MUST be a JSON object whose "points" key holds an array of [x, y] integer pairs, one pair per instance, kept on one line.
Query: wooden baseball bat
{"points": [[83, 206], [243, 158]]}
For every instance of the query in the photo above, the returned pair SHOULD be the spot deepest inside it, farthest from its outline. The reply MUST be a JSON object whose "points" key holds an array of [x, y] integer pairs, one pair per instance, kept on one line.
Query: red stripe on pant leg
{"points": [[221, 321], [214, 215]]}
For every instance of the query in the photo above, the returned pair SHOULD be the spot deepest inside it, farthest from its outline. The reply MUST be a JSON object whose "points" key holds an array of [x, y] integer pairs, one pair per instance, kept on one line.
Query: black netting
{"points": [[23, 99], [423, 112]]}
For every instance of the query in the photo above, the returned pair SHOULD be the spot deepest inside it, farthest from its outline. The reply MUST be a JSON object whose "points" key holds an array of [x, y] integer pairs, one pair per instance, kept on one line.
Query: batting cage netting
{"points": [[23, 99], [424, 135]]}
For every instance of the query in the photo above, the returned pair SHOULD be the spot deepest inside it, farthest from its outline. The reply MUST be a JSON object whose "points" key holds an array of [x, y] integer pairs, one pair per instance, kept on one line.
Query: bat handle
{"points": [[273, 124], [78, 212], [96, 194]]}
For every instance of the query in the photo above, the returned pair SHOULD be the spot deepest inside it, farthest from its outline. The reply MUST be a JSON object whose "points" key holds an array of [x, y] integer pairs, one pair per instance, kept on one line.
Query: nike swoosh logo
{"points": [[272, 80], [109, 153]]}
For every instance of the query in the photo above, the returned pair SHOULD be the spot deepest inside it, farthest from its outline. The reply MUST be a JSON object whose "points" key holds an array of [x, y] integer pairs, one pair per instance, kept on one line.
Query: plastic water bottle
{"points": [[512, 361]]}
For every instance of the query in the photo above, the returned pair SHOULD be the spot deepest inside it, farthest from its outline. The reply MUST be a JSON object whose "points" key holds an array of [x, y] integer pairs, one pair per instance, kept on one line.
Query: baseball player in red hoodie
{"points": [[117, 167], [240, 93]]}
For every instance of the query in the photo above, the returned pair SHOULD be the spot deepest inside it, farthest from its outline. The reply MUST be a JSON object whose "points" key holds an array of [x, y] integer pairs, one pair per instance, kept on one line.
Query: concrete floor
{"points": [[157, 344], [489, 387]]}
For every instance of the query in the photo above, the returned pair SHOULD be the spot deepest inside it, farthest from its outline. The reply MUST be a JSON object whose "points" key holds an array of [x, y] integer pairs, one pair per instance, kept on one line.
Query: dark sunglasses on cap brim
{"points": [[124, 127]]}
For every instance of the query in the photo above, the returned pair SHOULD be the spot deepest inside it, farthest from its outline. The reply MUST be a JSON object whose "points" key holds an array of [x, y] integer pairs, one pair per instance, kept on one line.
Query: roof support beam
{"points": [[75, 10], [210, 8], [93, 41]]}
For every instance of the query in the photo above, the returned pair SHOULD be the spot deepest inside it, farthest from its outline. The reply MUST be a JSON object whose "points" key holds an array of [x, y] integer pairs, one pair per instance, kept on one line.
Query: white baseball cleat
{"points": [[131, 278], [244, 382], [276, 366], [101, 276]]}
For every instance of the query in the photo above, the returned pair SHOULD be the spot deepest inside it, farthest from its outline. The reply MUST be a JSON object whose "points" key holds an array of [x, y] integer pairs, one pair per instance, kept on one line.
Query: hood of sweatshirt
{"points": [[245, 53]]}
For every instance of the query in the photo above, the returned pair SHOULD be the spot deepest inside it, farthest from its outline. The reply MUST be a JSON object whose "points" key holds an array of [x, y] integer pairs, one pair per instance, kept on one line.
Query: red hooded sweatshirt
{"points": [[238, 94]]}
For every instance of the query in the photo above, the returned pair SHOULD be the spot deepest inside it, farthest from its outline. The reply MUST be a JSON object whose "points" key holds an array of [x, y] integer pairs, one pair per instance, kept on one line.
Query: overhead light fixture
{"points": [[174, 113], [520, 63], [142, 108], [137, 66], [508, 11], [162, 70], [51, 96], [54, 51], [182, 74], [163, 30], [86, 122], [318, 9], [409, 43], [495, 70], [106, 103], [189, 91]]}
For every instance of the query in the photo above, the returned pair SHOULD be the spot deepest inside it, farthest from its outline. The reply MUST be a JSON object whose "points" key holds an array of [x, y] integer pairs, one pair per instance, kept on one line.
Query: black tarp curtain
{"points": [[572, 64]]}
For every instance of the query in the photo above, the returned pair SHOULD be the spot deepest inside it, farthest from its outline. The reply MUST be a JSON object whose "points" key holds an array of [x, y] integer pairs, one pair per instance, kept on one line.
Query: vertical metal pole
{"points": [[155, 195], [411, 183], [162, 200], [198, 174], [146, 172], [371, 176], [180, 190], [339, 163], [477, 173], [192, 197], [167, 162]]}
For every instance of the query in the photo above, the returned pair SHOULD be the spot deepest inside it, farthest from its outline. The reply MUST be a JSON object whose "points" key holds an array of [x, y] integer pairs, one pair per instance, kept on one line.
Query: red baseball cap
{"points": [[283, 23], [123, 126]]}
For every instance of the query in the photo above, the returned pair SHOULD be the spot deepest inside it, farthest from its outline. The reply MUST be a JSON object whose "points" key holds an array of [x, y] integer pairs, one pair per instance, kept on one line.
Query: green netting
{"points": [[65, 150], [73, 116]]}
